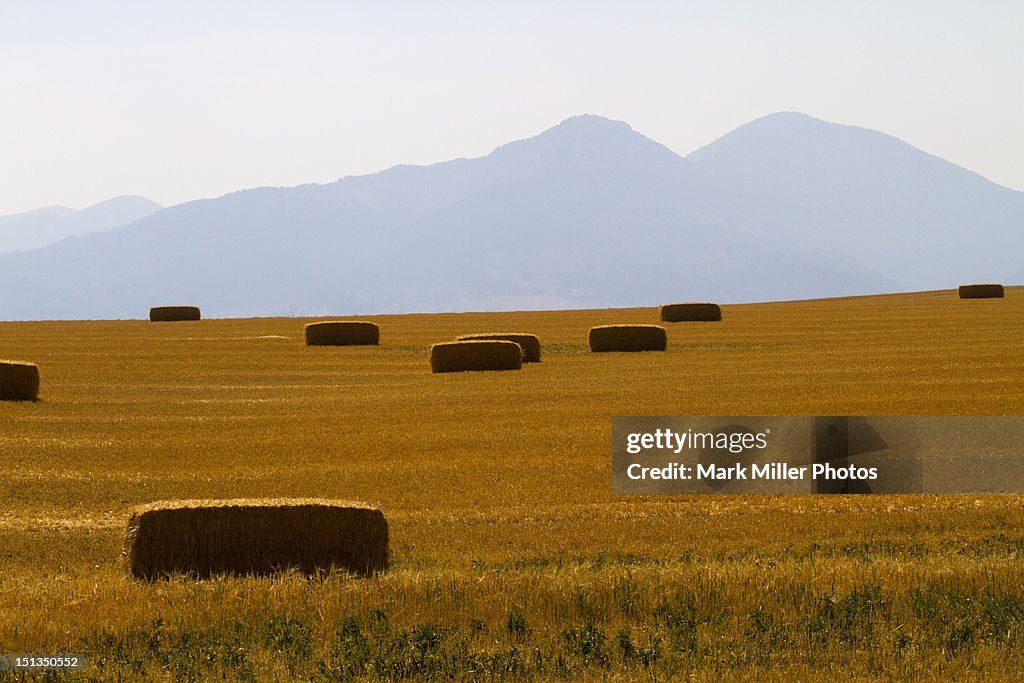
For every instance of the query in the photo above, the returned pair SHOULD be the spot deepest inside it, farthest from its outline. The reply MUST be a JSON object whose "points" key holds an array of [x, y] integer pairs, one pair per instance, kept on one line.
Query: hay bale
{"points": [[342, 333], [628, 338], [160, 314], [528, 342], [19, 380], [462, 356], [255, 537], [702, 312], [987, 291]]}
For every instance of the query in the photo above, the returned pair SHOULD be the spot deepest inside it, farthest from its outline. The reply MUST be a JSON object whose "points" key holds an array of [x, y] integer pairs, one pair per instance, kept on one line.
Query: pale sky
{"points": [[191, 99]]}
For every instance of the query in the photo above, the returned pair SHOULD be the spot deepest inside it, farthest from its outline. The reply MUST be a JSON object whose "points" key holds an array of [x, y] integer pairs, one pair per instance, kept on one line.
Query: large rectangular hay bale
{"points": [[19, 380], [255, 537], [465, 356], [983, 291], [342, 333], [628, 338], [162, 314], [529, 342], [690, 312]]}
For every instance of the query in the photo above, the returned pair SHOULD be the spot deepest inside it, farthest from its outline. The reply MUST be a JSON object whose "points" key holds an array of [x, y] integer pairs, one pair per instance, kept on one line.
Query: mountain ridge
{"points": [[589, 213], [41, 227]]}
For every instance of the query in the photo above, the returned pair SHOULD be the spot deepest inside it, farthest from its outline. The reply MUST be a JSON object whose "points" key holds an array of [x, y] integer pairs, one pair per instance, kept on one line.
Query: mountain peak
{"points": [[808, 143], [592, 123], [587, 141], [33, 229], [125, 200], [788, 117], [581, 129], [589, 129], [781, 128]]}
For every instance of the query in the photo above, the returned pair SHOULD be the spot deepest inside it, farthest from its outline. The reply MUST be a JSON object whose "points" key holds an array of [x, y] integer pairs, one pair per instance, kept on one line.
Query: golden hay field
{"points": [[511, 557]]}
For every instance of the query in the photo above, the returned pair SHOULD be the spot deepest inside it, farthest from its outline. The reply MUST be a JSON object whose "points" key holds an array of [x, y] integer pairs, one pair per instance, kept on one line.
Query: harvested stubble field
{"points": [[511, 558]]}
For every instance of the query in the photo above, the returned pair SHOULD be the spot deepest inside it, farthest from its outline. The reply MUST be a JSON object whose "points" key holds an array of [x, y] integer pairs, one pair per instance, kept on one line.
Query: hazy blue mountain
{"points": [[589, 213], [900, 212], [38, 228]]}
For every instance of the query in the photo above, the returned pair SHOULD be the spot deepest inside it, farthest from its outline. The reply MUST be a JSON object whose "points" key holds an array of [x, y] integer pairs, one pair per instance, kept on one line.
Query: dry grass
{"points": [[506, 537], [465, 356], [342, 333], [628, 338], [255, 537], [173, 313], [19, 380], [690, 312], [528, 342], [985, 291]]}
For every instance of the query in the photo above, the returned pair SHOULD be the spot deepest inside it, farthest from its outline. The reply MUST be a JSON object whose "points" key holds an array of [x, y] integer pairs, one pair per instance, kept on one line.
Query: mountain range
{"points": [[40, 227], [589, 213]]}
